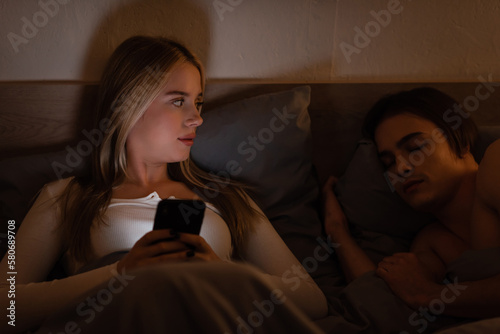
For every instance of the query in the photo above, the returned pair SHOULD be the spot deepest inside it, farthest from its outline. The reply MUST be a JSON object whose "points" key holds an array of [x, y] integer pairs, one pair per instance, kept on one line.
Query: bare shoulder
{"points": [[440, 241], [428, 236], [492, 154], [58, 186], [485, 228], [424, 247], [488, 175]]}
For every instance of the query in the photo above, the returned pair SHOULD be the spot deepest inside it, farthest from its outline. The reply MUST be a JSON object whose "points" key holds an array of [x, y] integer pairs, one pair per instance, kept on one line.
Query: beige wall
{"points": [[271, 40]]}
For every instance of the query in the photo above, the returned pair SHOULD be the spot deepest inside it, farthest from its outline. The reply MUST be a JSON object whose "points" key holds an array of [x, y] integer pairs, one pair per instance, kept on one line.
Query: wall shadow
{"points": [[181, 20]]}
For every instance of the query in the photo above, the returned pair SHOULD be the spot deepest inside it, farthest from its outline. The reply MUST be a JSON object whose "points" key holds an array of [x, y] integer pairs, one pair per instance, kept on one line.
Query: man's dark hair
{"points": [[431, 104]]}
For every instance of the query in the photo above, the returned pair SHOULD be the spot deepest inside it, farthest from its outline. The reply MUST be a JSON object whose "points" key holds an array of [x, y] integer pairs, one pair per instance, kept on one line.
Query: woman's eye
{"points": [[178, 103], [199, 105]]}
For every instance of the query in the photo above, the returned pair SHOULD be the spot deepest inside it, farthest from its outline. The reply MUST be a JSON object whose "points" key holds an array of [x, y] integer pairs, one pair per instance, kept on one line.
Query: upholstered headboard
{"points": [[46, 116], [39, 117]]}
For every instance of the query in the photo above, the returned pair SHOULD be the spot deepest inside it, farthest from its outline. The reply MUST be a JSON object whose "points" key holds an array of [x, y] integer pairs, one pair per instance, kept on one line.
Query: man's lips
{"points": [[411, 185]]}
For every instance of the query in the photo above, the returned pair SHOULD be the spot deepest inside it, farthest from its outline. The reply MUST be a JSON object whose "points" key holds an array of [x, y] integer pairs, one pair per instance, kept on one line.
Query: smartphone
{"points": [[182, 215]]}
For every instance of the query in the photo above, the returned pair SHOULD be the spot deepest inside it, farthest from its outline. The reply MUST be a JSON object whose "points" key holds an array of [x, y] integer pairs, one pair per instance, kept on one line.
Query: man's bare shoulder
{"points": [[428, 235], [492, 154], [488, 176], [485, 228], [438, 239]]}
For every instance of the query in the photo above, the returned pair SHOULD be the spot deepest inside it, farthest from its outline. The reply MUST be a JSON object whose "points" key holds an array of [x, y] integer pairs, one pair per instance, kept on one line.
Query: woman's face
{"points": [[419, 162], [166, 131]]}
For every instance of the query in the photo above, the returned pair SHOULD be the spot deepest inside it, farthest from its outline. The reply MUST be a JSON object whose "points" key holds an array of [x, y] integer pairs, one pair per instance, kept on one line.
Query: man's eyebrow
{"points": [[400, 143], [407, 138]]}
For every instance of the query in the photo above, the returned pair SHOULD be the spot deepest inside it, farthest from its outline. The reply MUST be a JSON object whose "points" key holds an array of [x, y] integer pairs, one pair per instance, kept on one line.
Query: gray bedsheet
{"points": [[474, 265], [367, 305]]}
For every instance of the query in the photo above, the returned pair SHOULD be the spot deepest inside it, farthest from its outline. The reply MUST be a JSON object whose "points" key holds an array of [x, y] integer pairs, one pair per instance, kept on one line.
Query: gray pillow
{"points": [[21, 178], [265, 141], [368, 202], [381, 221]]}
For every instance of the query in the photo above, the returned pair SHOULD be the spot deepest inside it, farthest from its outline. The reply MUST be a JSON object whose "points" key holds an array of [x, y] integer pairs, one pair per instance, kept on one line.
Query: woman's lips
{"points": [[188, 141]]}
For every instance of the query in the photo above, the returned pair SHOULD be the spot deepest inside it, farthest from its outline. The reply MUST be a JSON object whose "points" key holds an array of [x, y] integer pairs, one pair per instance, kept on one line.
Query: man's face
{"points": [[419, 162]]}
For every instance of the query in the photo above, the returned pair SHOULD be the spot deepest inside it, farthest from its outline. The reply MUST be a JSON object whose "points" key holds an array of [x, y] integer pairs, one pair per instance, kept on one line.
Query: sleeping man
{"points": [[428, 160]]}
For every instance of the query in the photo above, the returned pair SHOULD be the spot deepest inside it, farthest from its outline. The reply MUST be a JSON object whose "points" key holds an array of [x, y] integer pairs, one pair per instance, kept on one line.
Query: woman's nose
{"points": [[194, 119]]}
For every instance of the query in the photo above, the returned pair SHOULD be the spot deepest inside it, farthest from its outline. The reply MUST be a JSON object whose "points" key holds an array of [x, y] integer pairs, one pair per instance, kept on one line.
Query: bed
{"points": [[284, 140]]}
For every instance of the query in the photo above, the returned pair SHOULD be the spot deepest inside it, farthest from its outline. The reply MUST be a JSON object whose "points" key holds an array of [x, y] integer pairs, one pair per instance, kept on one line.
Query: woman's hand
{"points": [[335, 221], [162, 246], [198, 245]]}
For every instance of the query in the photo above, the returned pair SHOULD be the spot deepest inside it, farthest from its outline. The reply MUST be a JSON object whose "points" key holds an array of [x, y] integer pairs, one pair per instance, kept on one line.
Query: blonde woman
{"points": [[150, 101]]}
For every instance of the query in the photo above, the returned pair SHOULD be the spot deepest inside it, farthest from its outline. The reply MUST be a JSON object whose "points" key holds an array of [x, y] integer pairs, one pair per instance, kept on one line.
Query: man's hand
{"points": [[335, 221], [353, 259], [408, 279]]}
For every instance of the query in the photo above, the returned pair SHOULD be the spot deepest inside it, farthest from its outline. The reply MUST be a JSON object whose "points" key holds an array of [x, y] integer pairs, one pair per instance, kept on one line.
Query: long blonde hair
{"points": [[134, 76]]}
